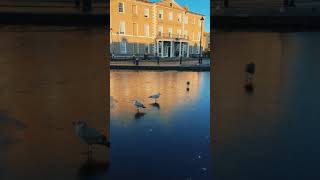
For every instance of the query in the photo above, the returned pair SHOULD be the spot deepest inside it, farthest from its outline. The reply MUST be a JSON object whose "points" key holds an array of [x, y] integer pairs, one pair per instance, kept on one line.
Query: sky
{"points": [[198, 6]]}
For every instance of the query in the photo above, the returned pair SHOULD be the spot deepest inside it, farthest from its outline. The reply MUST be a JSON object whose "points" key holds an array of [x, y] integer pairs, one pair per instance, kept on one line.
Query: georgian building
{"points": [[162, 28]]}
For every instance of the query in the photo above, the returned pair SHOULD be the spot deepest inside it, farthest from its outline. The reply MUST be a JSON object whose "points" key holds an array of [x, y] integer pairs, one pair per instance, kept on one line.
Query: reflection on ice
{"points": [[92, 168]]}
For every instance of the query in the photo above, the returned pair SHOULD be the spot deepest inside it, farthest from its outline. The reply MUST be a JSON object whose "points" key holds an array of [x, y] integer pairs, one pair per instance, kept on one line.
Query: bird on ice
{"points": [[138, 105], [90, 136], [155, 97]]}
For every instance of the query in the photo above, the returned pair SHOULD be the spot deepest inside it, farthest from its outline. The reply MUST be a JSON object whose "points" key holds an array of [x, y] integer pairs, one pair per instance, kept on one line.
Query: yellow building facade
{"points": [[162, 28]]}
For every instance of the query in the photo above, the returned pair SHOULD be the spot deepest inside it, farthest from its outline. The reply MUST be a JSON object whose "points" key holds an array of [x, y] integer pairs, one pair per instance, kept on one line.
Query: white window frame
{"points": [[179, 18], [170, 32], [136, 10], [170, 16], [148, 50], [122, 7], [137, 31], [146, 30], [161, 13], [123, 47], [160, 30], [179, 32], [186, 20], [146, 12], [124, 27]]}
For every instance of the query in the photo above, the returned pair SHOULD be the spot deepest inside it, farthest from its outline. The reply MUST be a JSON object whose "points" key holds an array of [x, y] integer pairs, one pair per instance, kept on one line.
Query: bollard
{"points": [[137, 62], [158, 60], [134, 59]]}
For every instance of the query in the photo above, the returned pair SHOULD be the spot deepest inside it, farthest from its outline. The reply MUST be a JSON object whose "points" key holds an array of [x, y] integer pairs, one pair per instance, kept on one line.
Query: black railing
{"points": [[172, 36]]}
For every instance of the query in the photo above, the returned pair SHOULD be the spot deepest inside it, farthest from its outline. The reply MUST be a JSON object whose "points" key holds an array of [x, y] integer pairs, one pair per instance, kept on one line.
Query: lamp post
{"points": [[111, 44], [200, 53]]}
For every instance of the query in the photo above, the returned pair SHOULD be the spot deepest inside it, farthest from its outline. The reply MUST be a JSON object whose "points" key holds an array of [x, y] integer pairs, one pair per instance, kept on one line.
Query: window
{"points": [[146, 29], [146, 48], [160, 30], [122, 28], [170, 16], [121, 7], [186, 19], [135, 29], [160, 14], [179, 32], [170, 32], [123, 47], [146, 12], [170, 4], [193, 35], [194, 20], [134, 9], [179, 17]]}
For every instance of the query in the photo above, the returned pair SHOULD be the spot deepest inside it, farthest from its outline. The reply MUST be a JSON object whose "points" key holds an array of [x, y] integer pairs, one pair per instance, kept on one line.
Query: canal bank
{"points": [[162, 65], [162, 68], [49, 13], [271, 22]]}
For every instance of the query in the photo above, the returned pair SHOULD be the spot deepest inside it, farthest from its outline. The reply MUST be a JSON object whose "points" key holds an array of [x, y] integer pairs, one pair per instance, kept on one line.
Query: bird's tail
{"points": [[105, 142]]}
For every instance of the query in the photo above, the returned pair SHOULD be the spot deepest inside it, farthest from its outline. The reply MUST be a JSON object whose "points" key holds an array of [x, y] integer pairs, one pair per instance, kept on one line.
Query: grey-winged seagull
{"points": [[90, 136], [155, 96], [138, 105]]}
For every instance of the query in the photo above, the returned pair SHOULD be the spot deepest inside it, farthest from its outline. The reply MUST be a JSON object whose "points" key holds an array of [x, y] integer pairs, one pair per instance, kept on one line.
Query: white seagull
{"points": [[90, 136], [138, 105], [155, 96]]}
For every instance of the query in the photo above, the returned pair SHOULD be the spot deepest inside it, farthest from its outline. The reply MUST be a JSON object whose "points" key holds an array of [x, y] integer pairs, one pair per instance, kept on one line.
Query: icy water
{"points": [[51, 76], [169, 139], [272, 131]]}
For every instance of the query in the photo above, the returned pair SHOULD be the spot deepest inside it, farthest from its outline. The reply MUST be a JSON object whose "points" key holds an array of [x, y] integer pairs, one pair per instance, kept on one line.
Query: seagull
{"points": [[90, 136], [138, 105], [155, 97]]}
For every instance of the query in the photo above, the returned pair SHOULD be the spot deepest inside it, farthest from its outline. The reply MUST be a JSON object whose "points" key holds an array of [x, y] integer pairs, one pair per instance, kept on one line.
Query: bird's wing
{"points": [[93, 133]]}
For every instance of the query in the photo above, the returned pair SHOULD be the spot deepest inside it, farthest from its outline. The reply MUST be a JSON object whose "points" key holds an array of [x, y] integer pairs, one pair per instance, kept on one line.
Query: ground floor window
{"points": [[146, 48], [123, 47]]}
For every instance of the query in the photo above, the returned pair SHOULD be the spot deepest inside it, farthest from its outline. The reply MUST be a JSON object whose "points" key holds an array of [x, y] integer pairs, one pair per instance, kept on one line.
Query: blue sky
{"points": [[199, 6]]}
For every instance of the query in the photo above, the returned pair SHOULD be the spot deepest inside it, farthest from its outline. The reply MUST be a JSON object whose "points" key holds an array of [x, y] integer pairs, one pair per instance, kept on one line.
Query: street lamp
{"points": [[200, 53], [111, 44]]}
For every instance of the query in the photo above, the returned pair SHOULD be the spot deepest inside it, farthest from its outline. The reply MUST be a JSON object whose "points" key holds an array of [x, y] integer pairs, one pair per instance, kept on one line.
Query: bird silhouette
{"points": [[138, 105], [90, 136], [155, 96]]}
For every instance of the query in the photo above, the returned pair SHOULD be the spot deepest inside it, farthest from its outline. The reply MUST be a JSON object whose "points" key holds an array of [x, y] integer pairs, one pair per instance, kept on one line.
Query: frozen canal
{"points": [[51, 76], [271, 132], [167, 140]]}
